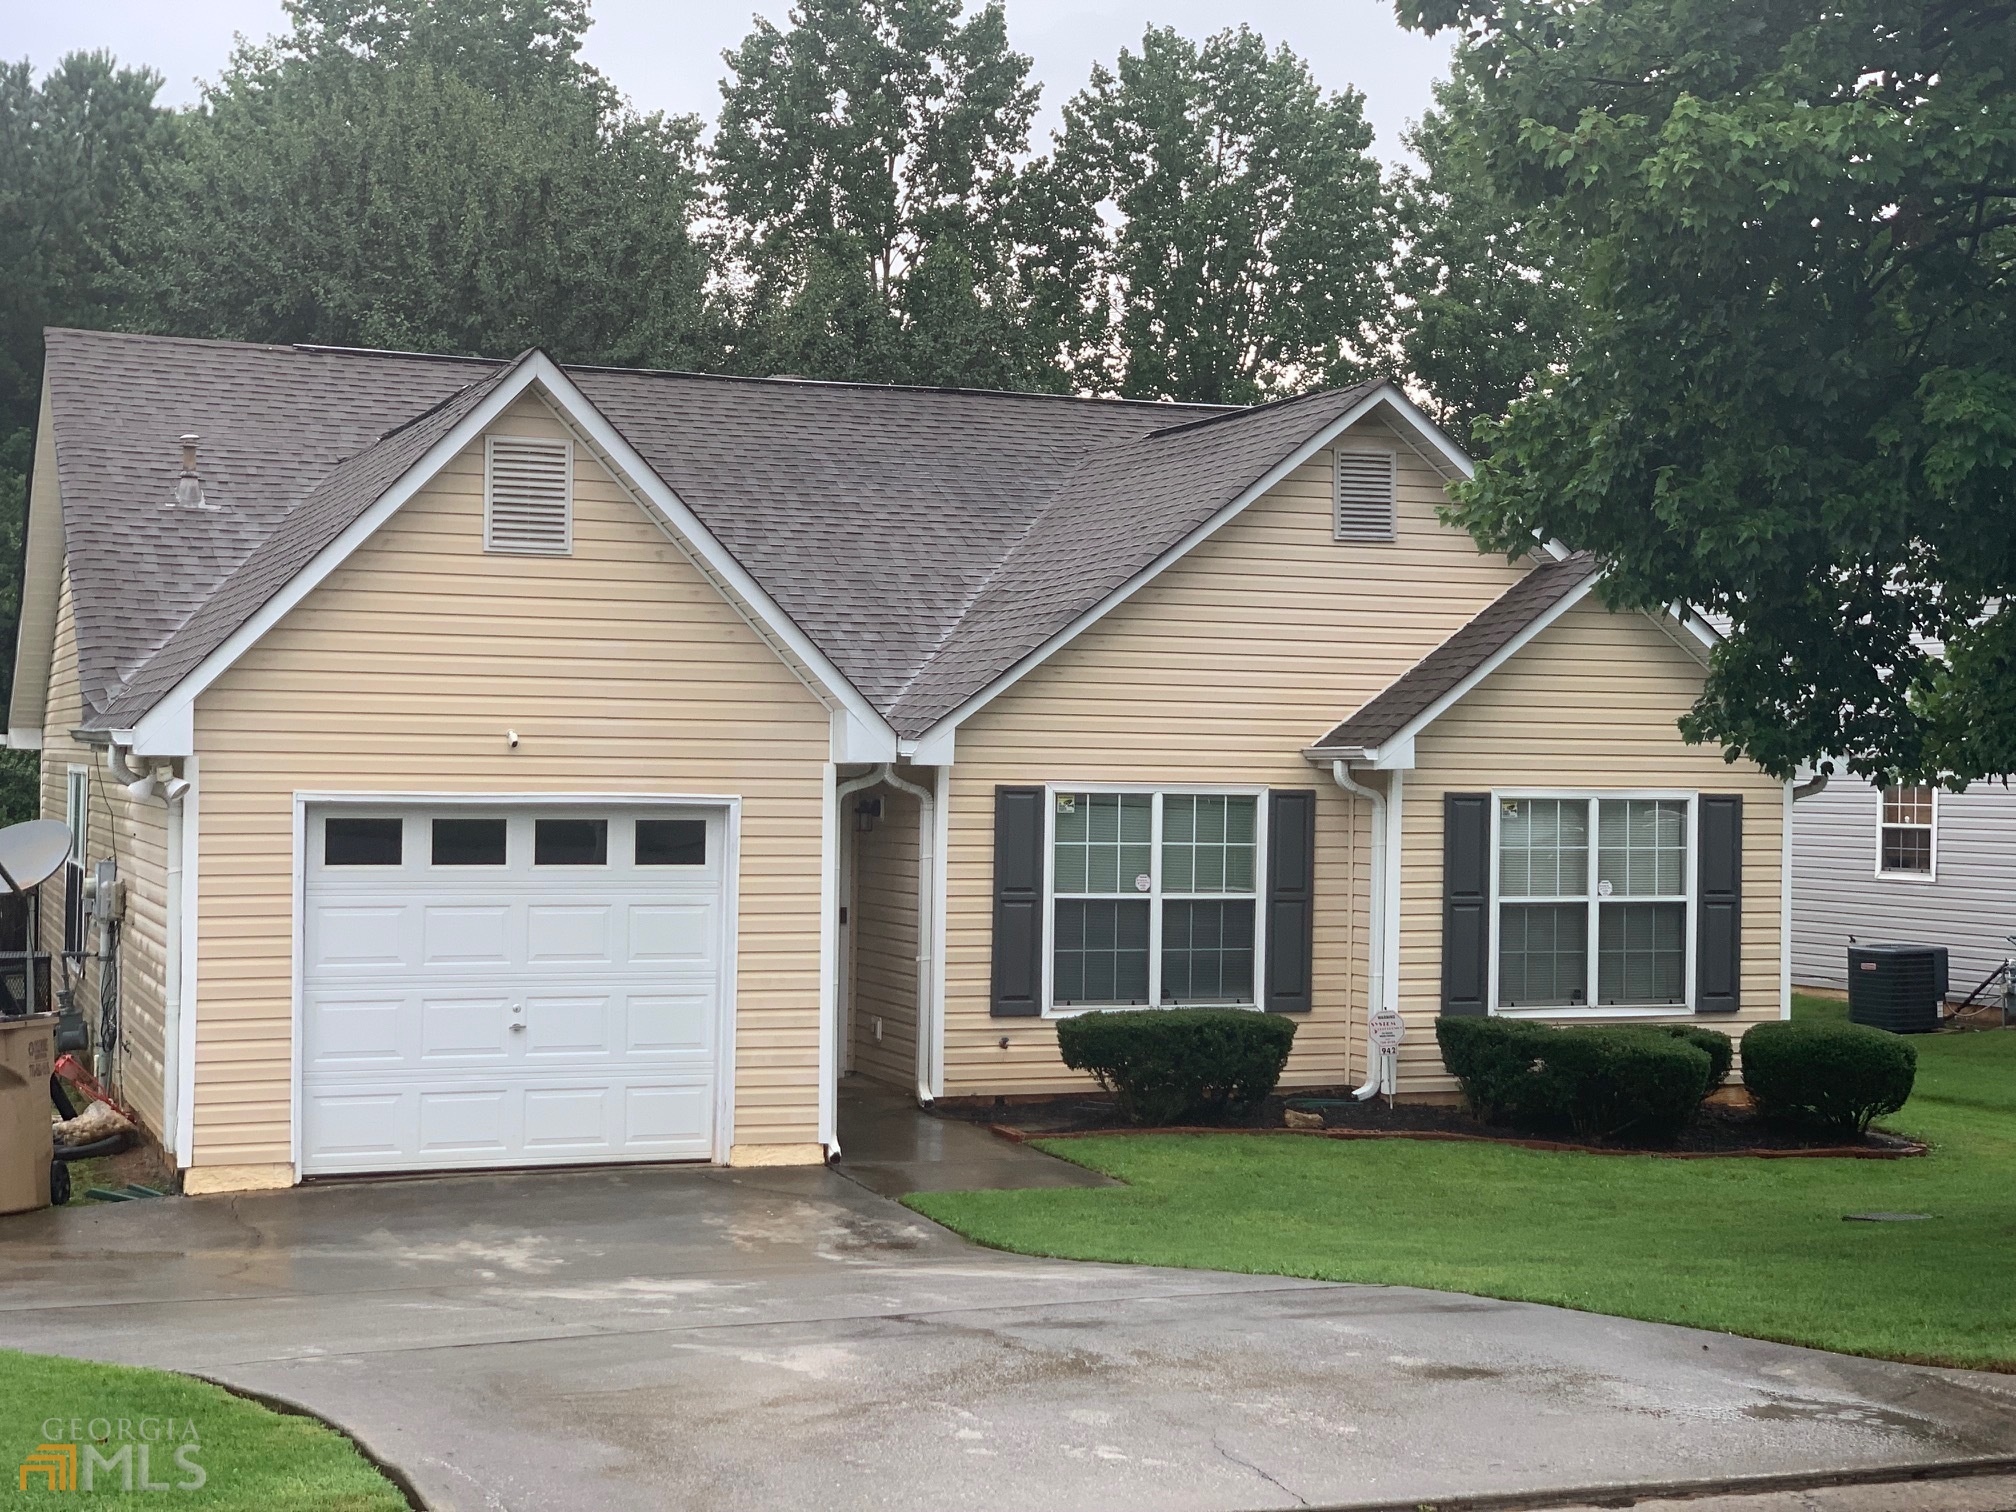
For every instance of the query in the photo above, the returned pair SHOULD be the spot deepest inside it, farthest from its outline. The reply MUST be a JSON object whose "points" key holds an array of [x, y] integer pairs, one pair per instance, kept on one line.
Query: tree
{"points": [[1792, 394], [865, 167], [1217, 224], [71, 151], [1484, 310], [443, 175]]}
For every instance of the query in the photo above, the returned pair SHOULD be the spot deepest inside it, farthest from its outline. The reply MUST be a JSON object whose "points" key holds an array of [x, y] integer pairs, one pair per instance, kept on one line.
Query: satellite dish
{"points": [[32, 852]]}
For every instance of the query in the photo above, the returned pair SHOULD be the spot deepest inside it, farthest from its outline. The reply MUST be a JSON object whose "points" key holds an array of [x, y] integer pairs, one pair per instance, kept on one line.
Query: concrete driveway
{"points": [[663, 1338]]}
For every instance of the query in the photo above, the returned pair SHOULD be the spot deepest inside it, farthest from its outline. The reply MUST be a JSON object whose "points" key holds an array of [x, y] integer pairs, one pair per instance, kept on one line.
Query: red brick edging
{"points": [[1826, 1152]]}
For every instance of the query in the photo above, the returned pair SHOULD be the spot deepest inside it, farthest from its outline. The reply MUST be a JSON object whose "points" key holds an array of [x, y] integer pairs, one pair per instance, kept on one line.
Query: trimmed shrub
{"points": [[1721, 1050], [1597, 1082], [1180, 1065], [1491, 1058], [1827, 1076]]}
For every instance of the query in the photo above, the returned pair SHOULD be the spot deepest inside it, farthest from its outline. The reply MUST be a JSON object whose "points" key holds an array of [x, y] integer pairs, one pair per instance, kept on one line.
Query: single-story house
{"points": [[1912, 864], [509, 763]]}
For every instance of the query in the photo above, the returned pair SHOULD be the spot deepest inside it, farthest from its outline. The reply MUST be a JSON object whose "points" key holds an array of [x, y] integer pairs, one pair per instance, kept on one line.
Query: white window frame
{"points": [[1155, 896], [1931, 873], [566, 448], [1591, 1009], [77, 811]]}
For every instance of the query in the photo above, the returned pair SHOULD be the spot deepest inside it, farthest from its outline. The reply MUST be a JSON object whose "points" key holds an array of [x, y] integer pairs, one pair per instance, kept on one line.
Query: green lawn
{"points": [[252, 1459], [1750, 1246]]}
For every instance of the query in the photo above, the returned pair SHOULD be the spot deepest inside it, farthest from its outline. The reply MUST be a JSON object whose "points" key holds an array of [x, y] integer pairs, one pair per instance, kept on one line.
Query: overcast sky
{"points": [[666, 54]]}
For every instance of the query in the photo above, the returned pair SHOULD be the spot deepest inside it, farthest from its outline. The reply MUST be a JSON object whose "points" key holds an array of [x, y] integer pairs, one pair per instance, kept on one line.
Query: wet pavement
{"points": [[636, 1338], [892, 1147]]}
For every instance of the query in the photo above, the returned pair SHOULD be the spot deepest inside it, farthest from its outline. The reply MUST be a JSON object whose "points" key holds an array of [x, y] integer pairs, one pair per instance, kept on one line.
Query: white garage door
{"points": [[506, 987]]}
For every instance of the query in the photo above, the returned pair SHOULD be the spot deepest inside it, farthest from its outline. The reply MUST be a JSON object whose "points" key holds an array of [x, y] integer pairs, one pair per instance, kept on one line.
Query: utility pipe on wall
{"points": [[1375, 1067]]}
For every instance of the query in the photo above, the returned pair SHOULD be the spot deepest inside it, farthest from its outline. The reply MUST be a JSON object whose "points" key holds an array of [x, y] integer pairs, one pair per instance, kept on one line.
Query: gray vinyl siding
{"points": [[1968, 906]]}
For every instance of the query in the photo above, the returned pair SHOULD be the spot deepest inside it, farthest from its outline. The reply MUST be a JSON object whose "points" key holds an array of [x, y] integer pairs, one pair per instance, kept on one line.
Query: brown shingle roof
{"points": [[924, 539], [1493, 628]]}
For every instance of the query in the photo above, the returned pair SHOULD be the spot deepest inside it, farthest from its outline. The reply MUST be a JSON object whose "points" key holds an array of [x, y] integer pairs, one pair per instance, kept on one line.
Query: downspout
{"points": [[139, 781], [1376, 944], [171, 988], [1813, 787], [927, 930]]}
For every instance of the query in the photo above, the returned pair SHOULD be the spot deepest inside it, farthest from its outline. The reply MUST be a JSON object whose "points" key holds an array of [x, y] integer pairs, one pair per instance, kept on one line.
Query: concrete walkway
{"points": [[891, 1146], [665, 1338]]}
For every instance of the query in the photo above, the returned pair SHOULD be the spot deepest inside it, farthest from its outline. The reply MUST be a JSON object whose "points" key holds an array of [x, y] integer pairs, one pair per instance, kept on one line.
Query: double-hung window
{"points": [[1154, 898], [1594, 902], [1905, 838]]}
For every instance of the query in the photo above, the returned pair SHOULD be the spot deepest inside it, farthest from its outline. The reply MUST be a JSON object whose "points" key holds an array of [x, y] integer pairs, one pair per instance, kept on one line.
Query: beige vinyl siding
{"points": [[1220, 671], [133, 834], [621, 669], [884, 947], [1591, 703]]}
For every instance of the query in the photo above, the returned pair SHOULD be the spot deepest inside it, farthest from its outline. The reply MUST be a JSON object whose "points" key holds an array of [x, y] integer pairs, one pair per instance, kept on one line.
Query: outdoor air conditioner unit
{"points": [[1897, 987]]}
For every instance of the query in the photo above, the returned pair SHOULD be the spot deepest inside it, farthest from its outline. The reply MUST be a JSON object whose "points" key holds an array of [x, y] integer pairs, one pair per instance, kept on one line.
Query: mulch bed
{"points": [[1719, 1130]]}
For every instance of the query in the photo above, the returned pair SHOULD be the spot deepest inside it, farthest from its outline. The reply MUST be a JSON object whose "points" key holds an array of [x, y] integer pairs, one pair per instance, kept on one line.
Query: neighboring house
{"points": [[516, 764], [1910, 865]]}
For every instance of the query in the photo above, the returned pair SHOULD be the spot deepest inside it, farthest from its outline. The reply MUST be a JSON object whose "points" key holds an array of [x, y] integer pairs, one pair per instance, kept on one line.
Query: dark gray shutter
{"points": [[1466, 904], [1018, 902], [1291, 893], [1718, 969]]}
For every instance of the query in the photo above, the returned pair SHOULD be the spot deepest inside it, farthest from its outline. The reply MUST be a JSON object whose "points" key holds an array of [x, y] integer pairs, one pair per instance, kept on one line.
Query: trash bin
{"points": [[27, 1050]]}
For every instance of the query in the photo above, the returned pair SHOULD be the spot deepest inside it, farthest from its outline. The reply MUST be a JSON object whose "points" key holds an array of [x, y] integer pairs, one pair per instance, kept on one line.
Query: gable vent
{"points": [[1365, 503], [527, 489]]}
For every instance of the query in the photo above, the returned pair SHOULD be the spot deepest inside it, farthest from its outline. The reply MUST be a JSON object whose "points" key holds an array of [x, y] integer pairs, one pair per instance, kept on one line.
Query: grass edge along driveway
{"points": [[251, 1458], [1756, 1247]]}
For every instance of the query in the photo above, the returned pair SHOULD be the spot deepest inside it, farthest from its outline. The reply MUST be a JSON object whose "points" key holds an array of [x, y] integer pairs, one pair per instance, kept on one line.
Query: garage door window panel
{"points": [[470, 842], [363, 842], [570, 842], [671, 842]]}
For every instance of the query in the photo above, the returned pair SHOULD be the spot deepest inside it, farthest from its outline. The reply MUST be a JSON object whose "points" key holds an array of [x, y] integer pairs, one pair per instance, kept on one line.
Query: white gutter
{"points": [[927, 926], [1383, 948]]}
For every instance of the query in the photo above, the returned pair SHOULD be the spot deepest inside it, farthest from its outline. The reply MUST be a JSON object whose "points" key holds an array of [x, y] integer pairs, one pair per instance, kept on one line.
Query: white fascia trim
{"points": [[165, 730], [24, 737], [1454, 461], [1386, 394]]}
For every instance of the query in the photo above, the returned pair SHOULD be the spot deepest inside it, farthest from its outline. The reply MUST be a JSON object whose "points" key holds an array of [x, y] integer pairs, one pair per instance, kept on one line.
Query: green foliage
{"points": [[20, 786], [1598, 1083], [1484, 311], [865, 167], [1175, 1065], [1827, 1076], [1716, 1045], [439, 175], [1246, 256], [71, 149], [1791, 391]]}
